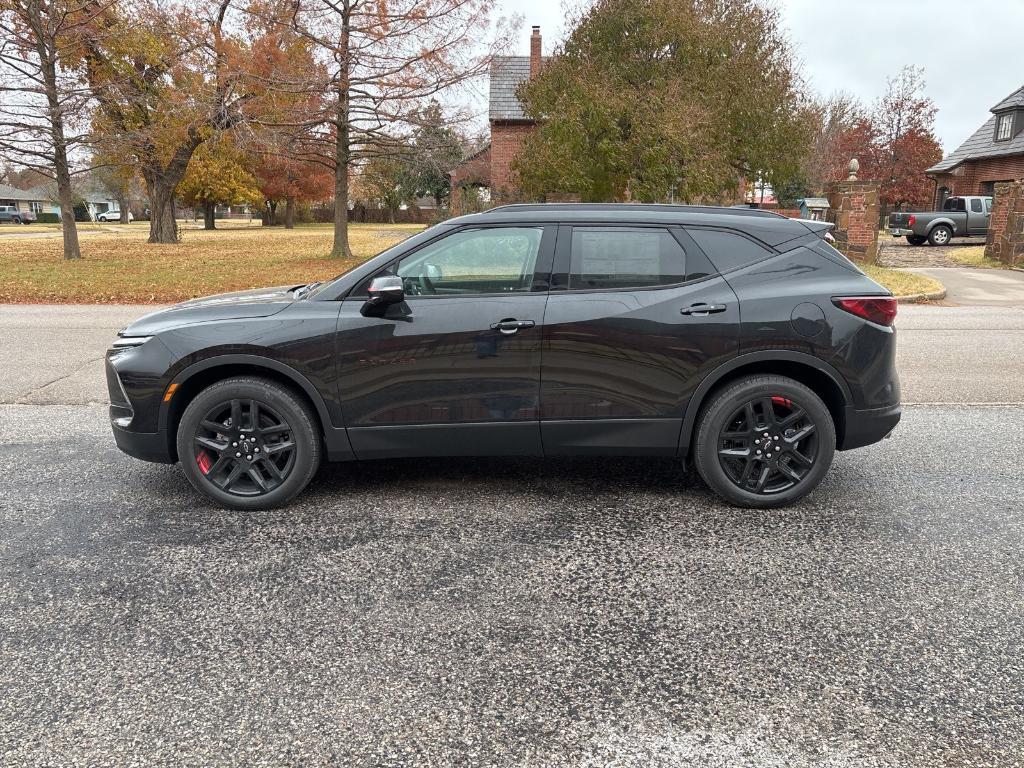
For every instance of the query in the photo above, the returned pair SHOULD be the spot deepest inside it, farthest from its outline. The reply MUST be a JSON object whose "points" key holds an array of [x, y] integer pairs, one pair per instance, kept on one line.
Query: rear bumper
{"points": [[900, 232], [148, 446], [870, 426]]}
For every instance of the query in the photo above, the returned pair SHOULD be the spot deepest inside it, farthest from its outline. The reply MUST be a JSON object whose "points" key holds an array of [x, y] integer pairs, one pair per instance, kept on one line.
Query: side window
{"points": [[498, 260], [727, 250], [976, 205], [988, 205], [624, 257]]}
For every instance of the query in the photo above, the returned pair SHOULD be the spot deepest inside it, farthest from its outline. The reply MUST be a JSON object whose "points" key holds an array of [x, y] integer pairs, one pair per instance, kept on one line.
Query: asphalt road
{"points": [[517, 612]]}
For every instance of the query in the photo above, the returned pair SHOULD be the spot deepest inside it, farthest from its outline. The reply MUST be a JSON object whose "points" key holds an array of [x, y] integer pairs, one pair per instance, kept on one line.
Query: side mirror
{"points": [[383, 291]]}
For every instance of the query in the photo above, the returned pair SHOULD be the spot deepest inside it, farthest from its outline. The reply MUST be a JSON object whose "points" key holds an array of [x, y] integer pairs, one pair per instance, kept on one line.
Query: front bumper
{"points": [[869, 426], [148, 446]]}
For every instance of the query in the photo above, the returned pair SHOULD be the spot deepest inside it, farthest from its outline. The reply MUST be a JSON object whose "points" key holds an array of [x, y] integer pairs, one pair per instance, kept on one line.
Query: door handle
{"points": [[702, 310], [510, 326]]}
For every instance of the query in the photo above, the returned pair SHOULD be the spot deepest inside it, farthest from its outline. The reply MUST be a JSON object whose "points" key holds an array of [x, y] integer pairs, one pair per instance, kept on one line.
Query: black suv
{"points": [[737, 339]]}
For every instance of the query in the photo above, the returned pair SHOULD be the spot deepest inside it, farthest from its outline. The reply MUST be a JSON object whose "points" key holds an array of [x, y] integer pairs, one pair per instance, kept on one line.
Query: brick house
{"points": [[491, 167], [994, 153]]}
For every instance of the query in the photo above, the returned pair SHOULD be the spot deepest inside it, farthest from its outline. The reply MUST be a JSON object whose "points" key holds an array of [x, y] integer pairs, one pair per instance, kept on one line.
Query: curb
{"points": [[914, 298]]}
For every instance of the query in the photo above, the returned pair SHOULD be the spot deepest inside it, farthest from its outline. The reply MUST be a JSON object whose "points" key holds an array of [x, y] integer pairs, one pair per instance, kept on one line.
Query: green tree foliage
{"points": [[217, 174], [435, 151], [655, 97]]}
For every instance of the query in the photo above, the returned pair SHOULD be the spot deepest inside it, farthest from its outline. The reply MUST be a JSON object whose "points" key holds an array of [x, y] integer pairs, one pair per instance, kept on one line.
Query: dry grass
{"points": [[121, 267], [974, 256], [902, 283]]}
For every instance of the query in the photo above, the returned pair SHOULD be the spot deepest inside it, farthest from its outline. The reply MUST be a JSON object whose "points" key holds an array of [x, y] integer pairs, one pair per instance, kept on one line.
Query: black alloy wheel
{"points": [[768, 445], [244, 447], [764, 441], [249, 443]]}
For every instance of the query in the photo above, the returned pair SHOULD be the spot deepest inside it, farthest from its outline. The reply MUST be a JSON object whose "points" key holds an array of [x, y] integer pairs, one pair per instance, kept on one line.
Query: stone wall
{"points": [[1005, 240], [854, 211]]}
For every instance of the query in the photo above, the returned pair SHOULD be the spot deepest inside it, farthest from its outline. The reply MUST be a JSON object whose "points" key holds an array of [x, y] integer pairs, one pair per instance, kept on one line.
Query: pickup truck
{"points": [[12, 214], [966, 216]]}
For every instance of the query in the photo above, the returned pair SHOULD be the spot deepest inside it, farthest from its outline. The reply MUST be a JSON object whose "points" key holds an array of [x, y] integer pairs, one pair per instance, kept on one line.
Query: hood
{"points": [[239, 305]]}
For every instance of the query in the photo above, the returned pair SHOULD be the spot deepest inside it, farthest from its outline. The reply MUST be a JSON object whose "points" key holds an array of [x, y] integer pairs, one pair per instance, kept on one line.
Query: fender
{"points": [[943, 220], [768, 355], [335, 438]]}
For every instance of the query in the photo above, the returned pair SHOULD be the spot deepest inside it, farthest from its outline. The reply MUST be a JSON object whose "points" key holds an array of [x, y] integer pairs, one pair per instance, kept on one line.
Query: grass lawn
{"points": [[974, 256], [901, 283], [121, 267]]}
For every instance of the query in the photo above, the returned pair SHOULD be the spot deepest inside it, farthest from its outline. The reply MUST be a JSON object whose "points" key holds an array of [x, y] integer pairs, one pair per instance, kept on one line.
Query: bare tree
{"points": [[382, 62], [41, 123]]}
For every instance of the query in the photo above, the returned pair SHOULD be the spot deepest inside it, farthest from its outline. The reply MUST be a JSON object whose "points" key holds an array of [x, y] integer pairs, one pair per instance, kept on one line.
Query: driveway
{"points": [[513, 612], [980, 287]]}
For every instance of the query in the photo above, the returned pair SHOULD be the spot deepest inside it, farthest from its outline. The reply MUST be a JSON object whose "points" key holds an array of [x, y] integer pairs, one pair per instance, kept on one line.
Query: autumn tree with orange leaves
{"points": [[894, 141]]}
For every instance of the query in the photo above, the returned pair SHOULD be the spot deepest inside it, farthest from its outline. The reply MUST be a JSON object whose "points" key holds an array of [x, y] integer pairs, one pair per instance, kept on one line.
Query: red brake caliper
{"points": [[784, 402], [204, 462]]}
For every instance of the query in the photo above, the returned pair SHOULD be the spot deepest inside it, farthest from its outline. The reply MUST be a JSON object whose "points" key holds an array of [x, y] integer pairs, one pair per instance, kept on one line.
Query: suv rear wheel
{"points": [[764, 441], [917, 239], [248, 443]]}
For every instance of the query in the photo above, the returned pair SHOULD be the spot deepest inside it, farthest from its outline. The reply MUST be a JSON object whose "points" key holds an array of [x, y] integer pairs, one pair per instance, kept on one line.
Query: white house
{"points": [[36, 199]]}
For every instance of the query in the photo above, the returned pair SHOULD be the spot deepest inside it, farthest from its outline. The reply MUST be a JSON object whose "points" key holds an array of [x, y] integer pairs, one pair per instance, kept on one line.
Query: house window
{"points": [[36, 206], [1003, 127]]}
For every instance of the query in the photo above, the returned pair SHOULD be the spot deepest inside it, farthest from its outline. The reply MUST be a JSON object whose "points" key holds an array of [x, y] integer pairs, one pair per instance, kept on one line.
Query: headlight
{"points": [[126, 342]]}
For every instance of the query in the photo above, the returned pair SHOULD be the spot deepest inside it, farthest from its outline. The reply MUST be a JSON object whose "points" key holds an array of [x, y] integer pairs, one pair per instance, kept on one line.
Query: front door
{"points": [[455, 369], [636, 317]]}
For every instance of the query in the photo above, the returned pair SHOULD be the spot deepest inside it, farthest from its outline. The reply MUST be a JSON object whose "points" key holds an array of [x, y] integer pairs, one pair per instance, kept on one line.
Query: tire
{"points": [[720, 460], [917, 239], [16, 221], [940, 235], [282, 417]]}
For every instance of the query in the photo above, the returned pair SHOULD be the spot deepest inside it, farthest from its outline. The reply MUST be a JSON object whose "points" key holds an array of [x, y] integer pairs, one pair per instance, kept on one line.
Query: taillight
{"points": [[911, 220], [877, 309]]}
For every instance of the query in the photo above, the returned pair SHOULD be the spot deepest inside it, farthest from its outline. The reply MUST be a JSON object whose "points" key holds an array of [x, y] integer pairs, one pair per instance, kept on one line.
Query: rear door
{"points": [[635, 319], [455, 369]]}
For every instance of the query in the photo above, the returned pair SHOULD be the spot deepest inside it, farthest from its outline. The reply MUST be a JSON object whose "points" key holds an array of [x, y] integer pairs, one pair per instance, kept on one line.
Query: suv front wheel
{"points": [[248, 443], [764, 441]]}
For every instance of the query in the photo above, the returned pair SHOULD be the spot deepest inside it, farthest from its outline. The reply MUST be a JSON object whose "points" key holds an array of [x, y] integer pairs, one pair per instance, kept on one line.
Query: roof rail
{"points": [[734, 211]]}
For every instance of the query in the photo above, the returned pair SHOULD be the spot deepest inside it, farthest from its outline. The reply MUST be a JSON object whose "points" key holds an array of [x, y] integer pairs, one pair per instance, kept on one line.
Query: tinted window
{"points": [[727, 250], [955, 204], [976, 205], [498, 260], [622, 257]]}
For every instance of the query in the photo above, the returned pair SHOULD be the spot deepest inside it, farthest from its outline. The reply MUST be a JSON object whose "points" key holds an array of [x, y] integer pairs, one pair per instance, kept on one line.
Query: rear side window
{"points": [[624, 257], [955, 204], [727, 250]]}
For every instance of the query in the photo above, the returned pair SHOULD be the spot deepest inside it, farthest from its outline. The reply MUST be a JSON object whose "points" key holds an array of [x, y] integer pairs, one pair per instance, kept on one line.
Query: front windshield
{"points": [[426, 234]]}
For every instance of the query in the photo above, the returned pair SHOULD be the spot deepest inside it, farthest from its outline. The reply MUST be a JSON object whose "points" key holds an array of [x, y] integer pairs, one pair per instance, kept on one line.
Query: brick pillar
{"points": [[854, 210], [1005, 240]]}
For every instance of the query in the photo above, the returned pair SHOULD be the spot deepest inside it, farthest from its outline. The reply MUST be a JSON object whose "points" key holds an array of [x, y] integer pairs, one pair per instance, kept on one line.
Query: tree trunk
{"points": [[341, 247], [272, 206], [162, 225], [61, 169], [209, 218], [123, 206], [289, 213]]}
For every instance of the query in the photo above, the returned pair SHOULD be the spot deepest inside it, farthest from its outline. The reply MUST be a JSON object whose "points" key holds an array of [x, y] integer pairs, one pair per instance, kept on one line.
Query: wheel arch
{"points": [[196, 377], [821, 377], [936, 222]]}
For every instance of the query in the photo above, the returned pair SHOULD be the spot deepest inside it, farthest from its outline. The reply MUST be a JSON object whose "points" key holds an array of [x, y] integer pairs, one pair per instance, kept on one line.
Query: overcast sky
{"points": [[971, 49]]}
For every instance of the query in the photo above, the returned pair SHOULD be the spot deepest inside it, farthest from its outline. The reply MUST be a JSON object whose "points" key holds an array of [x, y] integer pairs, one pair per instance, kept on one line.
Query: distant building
{"points": [[491, 167], [37, 200], [814, 208], [994, 153]]}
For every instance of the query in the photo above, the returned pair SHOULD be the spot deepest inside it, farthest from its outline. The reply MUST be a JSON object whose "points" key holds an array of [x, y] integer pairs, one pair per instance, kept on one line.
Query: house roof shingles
{"points": [[13, 193], [507, 72], [982, 142]]}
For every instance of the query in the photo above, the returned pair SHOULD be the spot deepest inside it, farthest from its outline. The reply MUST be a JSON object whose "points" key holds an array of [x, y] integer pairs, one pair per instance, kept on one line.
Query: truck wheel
{"points": [[917, 239], [940, 235]]}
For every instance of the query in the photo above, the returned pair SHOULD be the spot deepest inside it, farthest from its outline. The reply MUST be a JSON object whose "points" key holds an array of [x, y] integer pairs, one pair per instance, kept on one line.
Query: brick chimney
{"points": [[535, 53]]}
